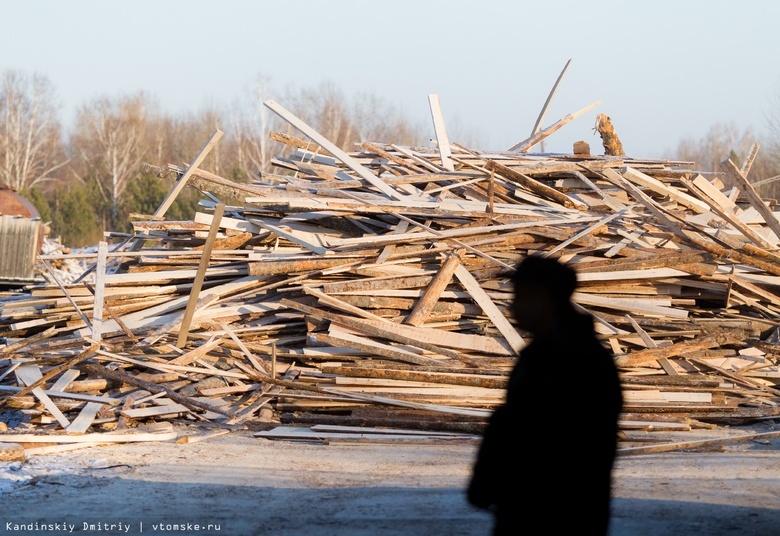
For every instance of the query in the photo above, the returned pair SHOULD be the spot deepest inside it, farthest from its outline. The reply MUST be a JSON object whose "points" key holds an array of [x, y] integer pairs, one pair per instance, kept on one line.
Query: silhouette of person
{"points": [[545, 462]]}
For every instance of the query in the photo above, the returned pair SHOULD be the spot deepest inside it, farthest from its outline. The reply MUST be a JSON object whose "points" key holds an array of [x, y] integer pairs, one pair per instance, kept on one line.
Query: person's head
{"points": [[542, 293]]}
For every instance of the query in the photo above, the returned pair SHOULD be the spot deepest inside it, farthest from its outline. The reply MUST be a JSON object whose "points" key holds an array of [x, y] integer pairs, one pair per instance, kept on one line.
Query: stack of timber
{"points": [[351, 296]]}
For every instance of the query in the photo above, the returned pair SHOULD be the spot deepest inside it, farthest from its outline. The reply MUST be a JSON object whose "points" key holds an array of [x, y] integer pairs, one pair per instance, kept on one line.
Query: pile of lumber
{"points": [[364, 295]]}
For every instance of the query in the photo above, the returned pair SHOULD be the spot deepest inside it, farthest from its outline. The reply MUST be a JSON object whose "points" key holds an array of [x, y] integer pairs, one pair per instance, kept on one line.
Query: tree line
{"points": [[90, 179]]}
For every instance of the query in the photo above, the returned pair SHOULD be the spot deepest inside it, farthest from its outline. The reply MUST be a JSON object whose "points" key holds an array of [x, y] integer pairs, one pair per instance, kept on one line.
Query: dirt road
{"points": [[243, 485]]}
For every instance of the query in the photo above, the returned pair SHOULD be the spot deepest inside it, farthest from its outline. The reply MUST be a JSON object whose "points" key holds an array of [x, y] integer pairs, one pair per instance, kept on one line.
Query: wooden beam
{"points": [[494, 313], [752, 196], [535, 186], [442, 141], [29, 374], [543, 112], [100, 288], [326, 144], [200, 276], [182, 182], [433, 292], [525, 145]]}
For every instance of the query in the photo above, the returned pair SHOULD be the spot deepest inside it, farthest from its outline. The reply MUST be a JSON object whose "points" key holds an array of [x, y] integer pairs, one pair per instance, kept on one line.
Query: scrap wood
{"points": [[90, 438], [339, 268], [685, 445]]}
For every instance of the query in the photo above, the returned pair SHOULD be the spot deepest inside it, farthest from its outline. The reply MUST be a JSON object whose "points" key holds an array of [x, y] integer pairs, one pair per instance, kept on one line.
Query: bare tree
{"points": [[375, 120], [252, 124], [30, 146], [722, 141], [111, 142]]}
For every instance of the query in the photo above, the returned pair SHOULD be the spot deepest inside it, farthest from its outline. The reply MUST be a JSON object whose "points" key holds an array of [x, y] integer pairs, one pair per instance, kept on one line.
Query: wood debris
{"points": [[367, 294]]}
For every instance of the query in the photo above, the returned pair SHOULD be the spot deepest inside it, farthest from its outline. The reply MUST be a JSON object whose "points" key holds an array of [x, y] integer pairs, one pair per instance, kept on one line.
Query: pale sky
{"points": [[664, 70]]}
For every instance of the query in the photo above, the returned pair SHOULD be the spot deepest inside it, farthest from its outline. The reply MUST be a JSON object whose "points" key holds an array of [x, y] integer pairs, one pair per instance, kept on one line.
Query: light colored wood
{"points": [[433, 292], [350, 162], [29, 374], [527, 144], [654, 185], [535, 186], [65, 380], [716, 195], [90, 438], [370, 347], [406, 404], [498, 318], [406, 334], [543, 112], [292, 236], [41, 379], [56, 449], [200, 276], [585, 232], [11, 452], [259, 367], [154, 411], [728, 216], [292, 432], [442, 140], [630, 305], [84, 419], [182, 182], [196, 353], [685, 445], [752, 196], [100, 288], [62, 394]]}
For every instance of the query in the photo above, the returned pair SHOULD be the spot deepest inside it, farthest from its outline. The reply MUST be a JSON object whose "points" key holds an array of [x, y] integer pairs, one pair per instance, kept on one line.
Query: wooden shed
{"points": [[19, 242]]}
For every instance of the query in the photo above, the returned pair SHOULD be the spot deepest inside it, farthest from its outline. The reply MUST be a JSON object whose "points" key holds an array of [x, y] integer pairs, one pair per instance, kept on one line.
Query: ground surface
{"points": [[245, 485]]}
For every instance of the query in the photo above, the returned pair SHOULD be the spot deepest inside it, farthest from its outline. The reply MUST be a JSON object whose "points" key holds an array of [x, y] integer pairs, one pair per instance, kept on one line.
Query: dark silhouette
{"points": [[545, 462]]}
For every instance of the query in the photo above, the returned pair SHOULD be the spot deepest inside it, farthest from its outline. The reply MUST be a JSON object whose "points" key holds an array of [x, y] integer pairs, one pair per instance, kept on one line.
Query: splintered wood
{"points": [[366, 294]]}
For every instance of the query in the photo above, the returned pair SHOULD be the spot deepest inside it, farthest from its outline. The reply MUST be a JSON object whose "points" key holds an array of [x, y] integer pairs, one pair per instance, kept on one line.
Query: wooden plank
{"points": [[41, 379], [685, 445], [61, 394], [65, 380], [197, 353], [371, 347], [716, 195], [350, 162], [498, 318], [84, 419], [100, 288], [259, 367], [527, 144], [427, 338], [629, 304], [752, 196], [442, 141], [155, 411], [535, 186], [433, 292], [292, 432], [653, 184], [406, 404], [292, 236], [90, 438], [585, 232], [29, 374], [182, 182], [543, 112], [200, 276]]}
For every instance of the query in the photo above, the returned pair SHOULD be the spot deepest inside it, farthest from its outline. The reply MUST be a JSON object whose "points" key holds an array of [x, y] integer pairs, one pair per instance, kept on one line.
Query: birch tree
{"points": [[111, 141], [30, 145], [252, 124]]}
